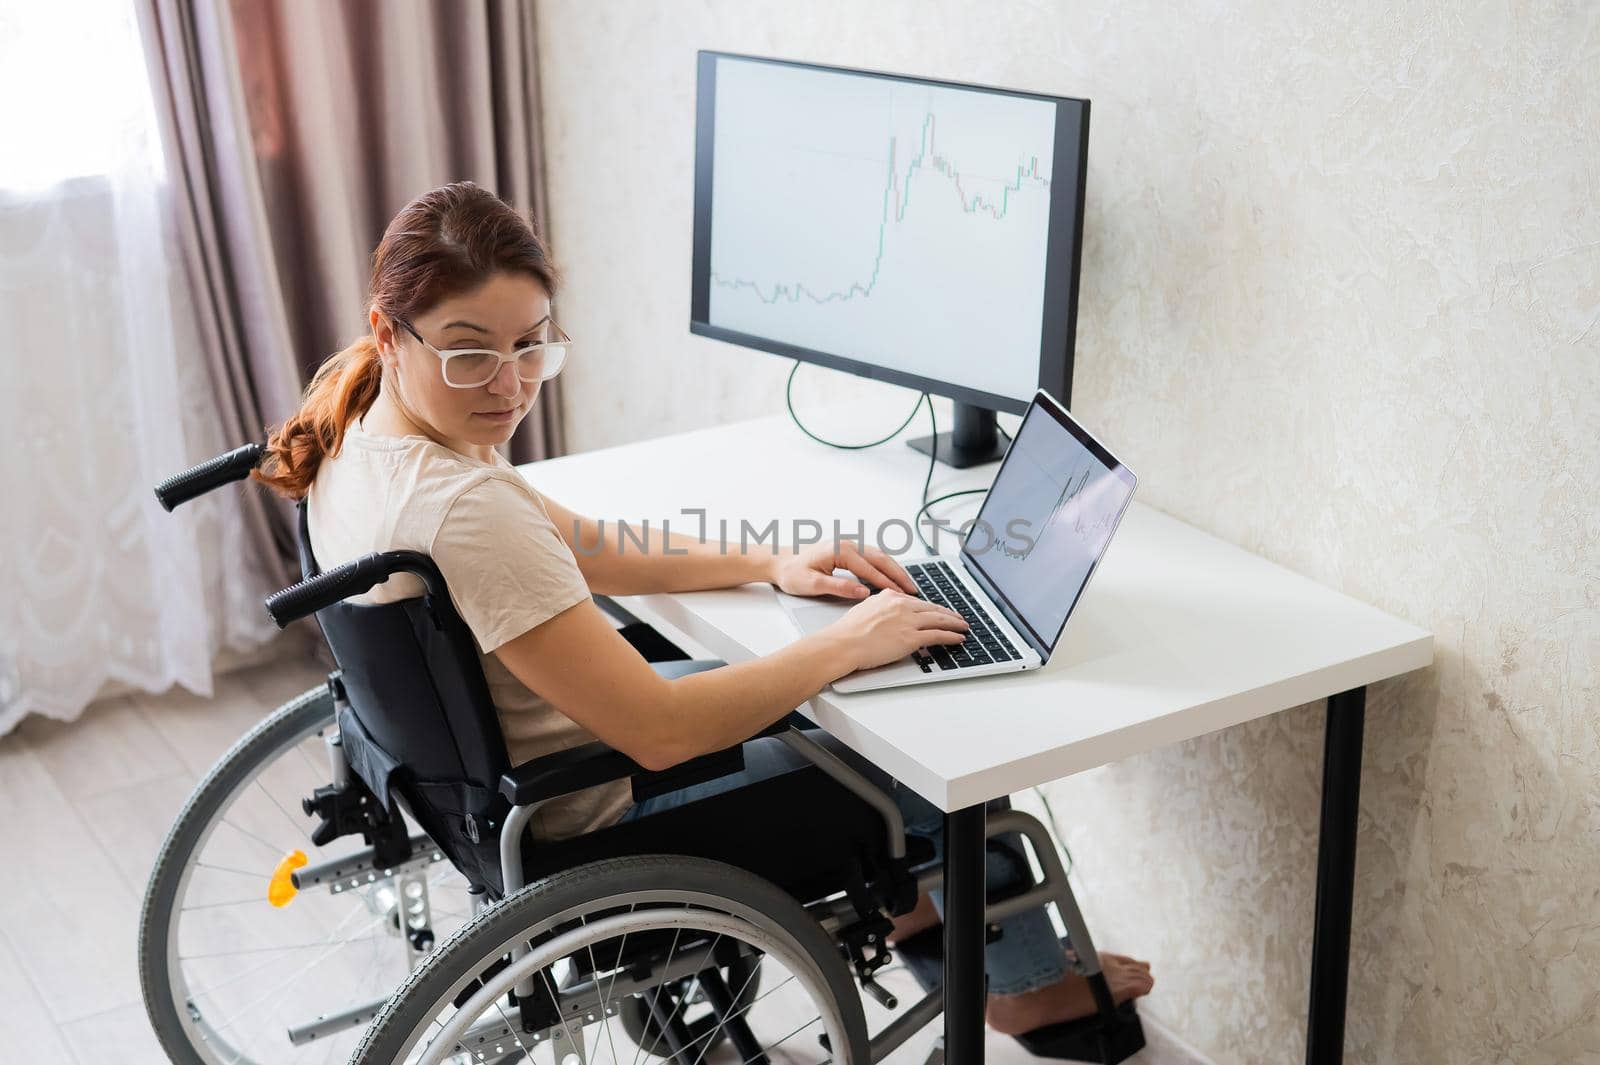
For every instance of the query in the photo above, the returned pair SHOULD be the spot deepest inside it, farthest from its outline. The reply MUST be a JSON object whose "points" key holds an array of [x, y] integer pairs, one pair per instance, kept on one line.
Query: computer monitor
{"points": [[919, 232]]}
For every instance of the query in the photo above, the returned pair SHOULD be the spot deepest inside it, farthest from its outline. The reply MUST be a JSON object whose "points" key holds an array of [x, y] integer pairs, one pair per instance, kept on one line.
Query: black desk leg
{"points": [[965, 991], [1336, 876]]}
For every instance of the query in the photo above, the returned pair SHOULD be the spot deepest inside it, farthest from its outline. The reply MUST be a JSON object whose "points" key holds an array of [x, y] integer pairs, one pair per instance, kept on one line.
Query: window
{"points": [[76, 98]]}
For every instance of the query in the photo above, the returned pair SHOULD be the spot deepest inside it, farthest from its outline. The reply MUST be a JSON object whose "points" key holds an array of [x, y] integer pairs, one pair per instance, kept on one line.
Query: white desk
{"points": [[1178, 634]]}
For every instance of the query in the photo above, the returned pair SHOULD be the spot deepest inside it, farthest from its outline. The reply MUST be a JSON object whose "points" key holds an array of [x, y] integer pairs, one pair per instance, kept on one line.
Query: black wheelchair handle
{"points": [[325, 589], [213, 473], [352, 578]]}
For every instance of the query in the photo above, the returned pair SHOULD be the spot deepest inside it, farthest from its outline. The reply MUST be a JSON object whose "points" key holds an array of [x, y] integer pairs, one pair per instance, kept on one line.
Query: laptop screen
{"points": [[1047, 519]]}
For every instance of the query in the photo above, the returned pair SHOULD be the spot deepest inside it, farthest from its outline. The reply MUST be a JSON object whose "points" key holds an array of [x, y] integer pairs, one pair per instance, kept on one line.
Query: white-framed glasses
{"points": [[476, 367]]}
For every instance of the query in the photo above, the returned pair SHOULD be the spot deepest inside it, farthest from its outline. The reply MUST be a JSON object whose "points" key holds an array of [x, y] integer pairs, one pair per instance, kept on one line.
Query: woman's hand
{"points": [[890, 625], [810, 571]]}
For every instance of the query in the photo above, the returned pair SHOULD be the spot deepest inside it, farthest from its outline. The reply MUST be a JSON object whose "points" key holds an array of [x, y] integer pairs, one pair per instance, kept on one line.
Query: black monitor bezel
{"points": [[1041, 644], [1059, 332]]}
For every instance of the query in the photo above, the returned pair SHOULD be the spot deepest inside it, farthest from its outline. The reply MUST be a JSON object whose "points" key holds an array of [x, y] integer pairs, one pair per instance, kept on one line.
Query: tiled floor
{"points": [[86, 806]]}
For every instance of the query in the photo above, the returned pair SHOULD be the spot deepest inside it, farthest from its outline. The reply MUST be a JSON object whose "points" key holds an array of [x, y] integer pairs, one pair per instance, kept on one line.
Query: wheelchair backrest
{"points": [[419, 720]]}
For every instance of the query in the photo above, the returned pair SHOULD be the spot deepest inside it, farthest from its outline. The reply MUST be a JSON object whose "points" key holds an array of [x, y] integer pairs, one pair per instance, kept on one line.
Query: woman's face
{"points": [[507, 311]]}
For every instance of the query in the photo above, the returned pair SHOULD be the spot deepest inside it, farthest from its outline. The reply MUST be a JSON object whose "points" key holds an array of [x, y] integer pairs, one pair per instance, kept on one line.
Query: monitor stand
{"points": [[974, 441]]}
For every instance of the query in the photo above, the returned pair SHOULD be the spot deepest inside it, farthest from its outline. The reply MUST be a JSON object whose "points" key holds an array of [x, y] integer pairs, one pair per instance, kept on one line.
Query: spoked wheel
{"points": [[542, 975], [690, 1002], [239, 968]]}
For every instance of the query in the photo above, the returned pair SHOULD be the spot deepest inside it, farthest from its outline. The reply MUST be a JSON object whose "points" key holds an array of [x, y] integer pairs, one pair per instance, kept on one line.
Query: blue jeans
{"points": [[1027, 955]]}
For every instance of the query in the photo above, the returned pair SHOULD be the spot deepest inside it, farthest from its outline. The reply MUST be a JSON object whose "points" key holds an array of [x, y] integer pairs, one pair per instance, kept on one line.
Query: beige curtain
{"points": [[294, 130], [101, 585]]}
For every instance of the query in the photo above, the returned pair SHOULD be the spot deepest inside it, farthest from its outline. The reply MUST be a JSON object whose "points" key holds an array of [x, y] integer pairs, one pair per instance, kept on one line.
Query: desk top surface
{"points": [[1178, 634]]}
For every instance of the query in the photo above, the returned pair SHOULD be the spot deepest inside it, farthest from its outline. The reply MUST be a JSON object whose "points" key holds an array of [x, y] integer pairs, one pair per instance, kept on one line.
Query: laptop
{"points": [[1044, 526]]}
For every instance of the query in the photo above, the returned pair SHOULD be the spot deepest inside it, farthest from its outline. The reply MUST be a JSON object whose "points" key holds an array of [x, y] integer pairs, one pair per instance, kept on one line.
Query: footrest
{"points": [[1089, 1038]]}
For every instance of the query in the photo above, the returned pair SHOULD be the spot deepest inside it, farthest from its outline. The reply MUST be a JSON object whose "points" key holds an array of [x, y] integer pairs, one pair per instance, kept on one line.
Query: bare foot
{"points": [[909, 924], [1068, 999]]}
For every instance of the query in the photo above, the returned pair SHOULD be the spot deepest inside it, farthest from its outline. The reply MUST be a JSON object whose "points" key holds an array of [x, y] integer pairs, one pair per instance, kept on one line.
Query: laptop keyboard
{"points": [[985, 642]]}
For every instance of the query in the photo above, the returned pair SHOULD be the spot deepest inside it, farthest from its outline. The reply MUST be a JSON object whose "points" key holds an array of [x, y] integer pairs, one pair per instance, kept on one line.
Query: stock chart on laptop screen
{"points": [[1045, 522]]}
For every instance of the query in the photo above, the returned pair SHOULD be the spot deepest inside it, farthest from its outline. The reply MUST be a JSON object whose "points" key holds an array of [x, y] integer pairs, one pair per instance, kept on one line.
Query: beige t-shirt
{"points": [[507, 567]]}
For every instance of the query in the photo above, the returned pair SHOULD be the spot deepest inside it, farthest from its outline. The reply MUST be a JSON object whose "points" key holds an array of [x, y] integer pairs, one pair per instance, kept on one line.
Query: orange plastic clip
{"points": [[281, 891]]}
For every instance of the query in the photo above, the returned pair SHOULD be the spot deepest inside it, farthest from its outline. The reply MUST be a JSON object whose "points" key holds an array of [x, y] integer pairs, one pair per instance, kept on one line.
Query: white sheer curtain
{"points": [[103, 391]]}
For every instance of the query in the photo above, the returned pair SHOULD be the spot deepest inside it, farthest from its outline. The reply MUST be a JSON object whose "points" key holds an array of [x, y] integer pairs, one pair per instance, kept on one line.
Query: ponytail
{"points": [[342, 389]]}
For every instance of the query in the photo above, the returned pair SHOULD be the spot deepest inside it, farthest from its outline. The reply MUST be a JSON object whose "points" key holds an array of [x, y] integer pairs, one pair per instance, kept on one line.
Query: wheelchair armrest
{"points": [[582, 767], [564, 772]]}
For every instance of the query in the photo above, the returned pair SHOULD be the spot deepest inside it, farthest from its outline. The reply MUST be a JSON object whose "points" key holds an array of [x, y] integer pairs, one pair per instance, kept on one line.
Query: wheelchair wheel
{"points": [[233, 977], [683, 998], [552, 965]]}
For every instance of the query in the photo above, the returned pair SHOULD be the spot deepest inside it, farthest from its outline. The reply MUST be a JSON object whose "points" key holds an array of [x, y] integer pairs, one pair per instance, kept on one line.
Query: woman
{"points": [[394, 448]]}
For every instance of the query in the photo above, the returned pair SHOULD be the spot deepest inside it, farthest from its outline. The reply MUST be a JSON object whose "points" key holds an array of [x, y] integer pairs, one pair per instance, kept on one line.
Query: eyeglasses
{"points": [[475, 367]]}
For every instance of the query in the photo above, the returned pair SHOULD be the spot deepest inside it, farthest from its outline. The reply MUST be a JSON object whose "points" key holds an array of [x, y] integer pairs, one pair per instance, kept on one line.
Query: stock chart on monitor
{"points": [[899, 222]]}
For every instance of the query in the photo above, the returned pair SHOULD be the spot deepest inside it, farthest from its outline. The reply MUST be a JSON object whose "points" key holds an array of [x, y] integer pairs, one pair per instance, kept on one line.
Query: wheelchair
{"points": [[356, 880]]}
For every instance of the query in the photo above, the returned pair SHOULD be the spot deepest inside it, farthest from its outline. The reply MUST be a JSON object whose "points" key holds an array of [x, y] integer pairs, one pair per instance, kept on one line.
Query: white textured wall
{"points": [[1341, 306]]}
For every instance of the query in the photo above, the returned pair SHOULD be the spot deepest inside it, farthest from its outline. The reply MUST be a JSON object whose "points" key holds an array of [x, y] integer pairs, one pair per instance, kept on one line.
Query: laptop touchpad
{"points": [[814, 616]]}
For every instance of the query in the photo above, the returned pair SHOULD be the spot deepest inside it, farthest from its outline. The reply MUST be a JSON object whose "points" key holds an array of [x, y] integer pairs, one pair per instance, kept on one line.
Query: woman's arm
{"points": [[588, 672], [612, 565]]}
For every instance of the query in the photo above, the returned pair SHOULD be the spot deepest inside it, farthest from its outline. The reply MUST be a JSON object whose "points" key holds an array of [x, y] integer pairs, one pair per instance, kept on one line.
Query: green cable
{"points": [[788, 400], [916, 521], [933, 451]]}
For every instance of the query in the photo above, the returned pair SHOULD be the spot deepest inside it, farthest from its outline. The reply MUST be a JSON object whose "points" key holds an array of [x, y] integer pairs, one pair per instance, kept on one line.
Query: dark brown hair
{"points": [[441, 244]]}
